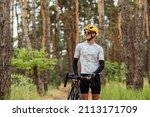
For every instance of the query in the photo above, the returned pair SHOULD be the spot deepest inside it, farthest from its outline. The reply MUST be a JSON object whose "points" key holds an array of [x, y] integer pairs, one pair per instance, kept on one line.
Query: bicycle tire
{"points": [[71, 94], [74, 94]]}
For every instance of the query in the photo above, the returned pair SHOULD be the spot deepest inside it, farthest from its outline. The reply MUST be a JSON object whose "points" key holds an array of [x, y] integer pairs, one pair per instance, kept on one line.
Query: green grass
{"points": [[112, 91], [23, 93], [27, 93], [118, 91]]}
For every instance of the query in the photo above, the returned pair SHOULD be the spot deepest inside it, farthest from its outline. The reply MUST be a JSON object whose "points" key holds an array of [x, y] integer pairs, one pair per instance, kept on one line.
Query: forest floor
{"points": [[61, 93]]}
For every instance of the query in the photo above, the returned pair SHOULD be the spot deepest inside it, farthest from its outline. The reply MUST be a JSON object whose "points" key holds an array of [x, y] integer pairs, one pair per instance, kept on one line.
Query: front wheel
{"points": [[74, 94]]}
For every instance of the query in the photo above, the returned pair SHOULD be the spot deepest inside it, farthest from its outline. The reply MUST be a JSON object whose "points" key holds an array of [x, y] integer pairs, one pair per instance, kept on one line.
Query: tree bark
{"points": [[139, 48], [75, 21], [57, 45], [111, 35], [68, 39], [38, 81], [19, 29], [12, 17], [34, 35], [76, 27], [117, 47], [127, 39], [101, 32], [148, 44], [47, 36], [43, 24], [25, 25], [101, 22], [5, 49]]}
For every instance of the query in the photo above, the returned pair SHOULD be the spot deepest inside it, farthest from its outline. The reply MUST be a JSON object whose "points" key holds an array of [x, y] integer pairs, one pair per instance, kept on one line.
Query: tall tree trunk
{"points": [[146, 35], [135, 11], [25, 9], [25, 25], [139, 48], [38, 81], [43, 38], [43, 24], [57, 42], [76, 17], [75, 20], [19, 29], [12, 23], [5, 49], [127, 43], [69, 51], [120, 49], [45, 75], [34, 35], [111, 34], [68, 39], [148, 45], [47, 36], [12, 17], [116, 37], [101, 22], [117, 47], [101, 32]]}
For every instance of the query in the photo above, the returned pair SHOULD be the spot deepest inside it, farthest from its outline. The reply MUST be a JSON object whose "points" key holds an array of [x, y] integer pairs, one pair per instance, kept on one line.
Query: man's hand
{"points": [[75, 80], [93, 75], [88, 78]]}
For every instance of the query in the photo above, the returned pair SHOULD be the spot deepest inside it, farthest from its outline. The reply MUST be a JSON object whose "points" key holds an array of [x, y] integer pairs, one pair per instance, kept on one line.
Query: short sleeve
{"points": [[101, 53], [77, 51]]}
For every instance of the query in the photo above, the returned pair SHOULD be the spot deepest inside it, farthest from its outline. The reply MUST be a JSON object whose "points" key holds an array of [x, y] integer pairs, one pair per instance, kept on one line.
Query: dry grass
{"points": [[62, 93], [112, 91], [59, 94]]}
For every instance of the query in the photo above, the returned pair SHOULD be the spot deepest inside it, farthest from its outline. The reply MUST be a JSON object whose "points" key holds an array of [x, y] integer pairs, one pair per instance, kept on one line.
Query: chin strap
{"points": [[90, 38]]}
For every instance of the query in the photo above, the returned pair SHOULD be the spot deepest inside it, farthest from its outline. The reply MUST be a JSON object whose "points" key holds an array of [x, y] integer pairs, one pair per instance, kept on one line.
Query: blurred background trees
{"points": [[56, 26]]}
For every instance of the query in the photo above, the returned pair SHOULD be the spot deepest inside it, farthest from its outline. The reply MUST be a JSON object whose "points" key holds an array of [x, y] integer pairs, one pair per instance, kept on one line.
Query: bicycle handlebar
{"points": [[72, 76]]}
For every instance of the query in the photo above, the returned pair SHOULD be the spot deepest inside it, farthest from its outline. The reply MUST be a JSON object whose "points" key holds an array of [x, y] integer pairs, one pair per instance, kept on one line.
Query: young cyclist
{"points": [[91, 57]]}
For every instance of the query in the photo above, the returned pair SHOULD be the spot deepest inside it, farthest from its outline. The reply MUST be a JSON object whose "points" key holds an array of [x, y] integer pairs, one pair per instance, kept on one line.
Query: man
{"points": [[91, 57]]}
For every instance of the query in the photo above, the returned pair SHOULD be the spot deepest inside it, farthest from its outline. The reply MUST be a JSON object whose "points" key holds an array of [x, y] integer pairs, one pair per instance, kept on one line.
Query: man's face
{"points": [[87, 34]]}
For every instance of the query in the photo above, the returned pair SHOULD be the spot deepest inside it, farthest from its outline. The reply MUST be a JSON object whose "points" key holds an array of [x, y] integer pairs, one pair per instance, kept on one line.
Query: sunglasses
{"points": [[87, 32]]}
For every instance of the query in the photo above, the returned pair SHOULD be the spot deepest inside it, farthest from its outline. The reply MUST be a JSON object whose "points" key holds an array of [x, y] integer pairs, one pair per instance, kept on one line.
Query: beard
{"points": [[88, 38]]}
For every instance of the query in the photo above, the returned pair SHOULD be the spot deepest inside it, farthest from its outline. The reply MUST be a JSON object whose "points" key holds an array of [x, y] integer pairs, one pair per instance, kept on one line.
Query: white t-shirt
{"points": [[89, 56]]}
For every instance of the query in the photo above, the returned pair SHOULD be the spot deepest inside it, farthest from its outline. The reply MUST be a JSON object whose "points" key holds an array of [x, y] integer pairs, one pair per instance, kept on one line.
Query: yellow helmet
{"points": [[92, 28]]}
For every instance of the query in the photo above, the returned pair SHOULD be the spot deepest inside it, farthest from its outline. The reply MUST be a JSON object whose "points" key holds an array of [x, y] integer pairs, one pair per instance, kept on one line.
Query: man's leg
{"points": [[95, 96], [84, 96], [84, 87], [96, 88]]}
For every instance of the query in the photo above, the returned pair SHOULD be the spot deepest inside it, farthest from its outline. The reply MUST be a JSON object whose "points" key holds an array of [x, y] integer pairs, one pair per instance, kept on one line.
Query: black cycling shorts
{"points": [[86, 84]]}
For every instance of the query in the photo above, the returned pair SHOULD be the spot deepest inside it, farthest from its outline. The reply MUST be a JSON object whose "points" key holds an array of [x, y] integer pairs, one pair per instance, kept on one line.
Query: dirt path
{"points": [[60, 94]]}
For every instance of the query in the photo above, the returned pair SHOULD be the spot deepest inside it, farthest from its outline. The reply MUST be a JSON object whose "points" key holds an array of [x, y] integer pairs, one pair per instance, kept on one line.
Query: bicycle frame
{"points": [[75, 93]]}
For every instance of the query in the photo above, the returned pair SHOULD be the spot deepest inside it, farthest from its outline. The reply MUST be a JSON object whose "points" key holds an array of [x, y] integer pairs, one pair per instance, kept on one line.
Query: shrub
{"points": [[26, 60], [18, 79], [111, 70]]}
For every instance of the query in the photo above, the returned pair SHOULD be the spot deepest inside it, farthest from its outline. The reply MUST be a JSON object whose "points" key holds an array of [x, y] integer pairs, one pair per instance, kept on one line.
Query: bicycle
{"points": [[75, 93]]}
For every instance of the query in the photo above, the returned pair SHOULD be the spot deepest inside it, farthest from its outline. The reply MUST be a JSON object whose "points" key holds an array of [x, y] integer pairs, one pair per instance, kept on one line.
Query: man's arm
{"points": [[101, 67], [75, 59], [75, 66]]}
